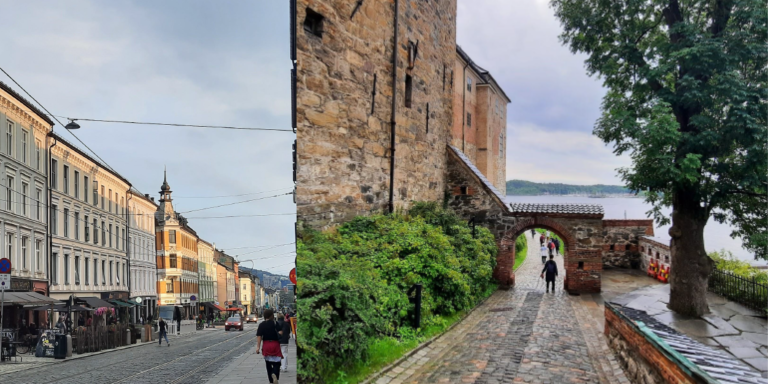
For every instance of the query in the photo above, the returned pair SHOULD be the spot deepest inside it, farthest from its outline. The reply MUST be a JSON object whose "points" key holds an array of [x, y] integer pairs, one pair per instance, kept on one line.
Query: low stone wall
{"points": [[639, 355], [620, 242]]}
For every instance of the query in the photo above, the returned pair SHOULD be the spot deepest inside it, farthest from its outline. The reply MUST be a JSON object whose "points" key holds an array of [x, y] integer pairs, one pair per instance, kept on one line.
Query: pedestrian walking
{"points": [[543, 253], [551, 248], [163, 333], [285, 337], [550, 269], [269, 333], [60, 325], [210, 319], [533, 232], [557, 246], [541, 240]]}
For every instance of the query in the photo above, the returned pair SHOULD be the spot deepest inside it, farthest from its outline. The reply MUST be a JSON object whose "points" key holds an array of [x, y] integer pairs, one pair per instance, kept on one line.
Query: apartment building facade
{"points": [[141, 252], [176, 246], [87, 226], [23, 217]]}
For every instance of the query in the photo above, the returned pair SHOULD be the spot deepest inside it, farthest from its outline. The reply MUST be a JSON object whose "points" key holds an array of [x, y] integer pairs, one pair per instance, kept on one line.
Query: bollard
{"points": [[69, 345]]}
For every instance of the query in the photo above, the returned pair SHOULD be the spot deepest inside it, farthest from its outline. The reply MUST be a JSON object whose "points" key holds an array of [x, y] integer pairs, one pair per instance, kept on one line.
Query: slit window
{"points": [[464, 190], [581, 265], [313, 23], [408, 90], [469, 119], [469, 84]]}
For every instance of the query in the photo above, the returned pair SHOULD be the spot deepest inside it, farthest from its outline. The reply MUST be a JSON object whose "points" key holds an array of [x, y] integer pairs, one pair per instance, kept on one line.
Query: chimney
{"points": [[146, 195], [153, 199]]}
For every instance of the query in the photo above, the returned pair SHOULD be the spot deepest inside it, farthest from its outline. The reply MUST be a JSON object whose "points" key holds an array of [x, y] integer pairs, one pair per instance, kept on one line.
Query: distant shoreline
{"points": [[605, 196]]}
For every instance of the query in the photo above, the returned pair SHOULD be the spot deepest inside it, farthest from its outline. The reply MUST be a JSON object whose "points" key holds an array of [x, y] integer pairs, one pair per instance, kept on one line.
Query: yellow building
{"points": [[176, 247]]}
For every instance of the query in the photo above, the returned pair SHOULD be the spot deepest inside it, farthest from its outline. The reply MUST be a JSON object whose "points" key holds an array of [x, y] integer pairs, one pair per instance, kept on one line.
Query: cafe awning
{"points": [[213, 306], [129, 301], [27, 298], [62, 308], [121, 303], [95, 302]]}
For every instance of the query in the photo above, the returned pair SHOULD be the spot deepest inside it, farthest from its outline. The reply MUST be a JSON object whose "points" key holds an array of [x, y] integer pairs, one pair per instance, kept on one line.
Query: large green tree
{"points": [[686, 99]]}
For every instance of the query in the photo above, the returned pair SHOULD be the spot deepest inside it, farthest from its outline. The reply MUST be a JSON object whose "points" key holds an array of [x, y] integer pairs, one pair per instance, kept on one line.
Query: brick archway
{"points": [[507, 254]]}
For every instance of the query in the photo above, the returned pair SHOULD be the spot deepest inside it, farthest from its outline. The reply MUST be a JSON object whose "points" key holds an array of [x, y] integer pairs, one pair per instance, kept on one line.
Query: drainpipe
{"points": [[393, 122], [48, 220], [463, 107], [128, 198]]}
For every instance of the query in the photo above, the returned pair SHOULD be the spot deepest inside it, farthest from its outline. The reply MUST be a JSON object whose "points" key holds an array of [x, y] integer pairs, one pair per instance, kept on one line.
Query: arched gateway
{"points": [[579, 225]]}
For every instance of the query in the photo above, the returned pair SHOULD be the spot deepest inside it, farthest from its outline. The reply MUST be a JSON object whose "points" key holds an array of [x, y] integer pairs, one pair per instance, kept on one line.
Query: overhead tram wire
{"points": [[242, 194], [266, 249], [57, 120], [177, 125], [237, 202]]}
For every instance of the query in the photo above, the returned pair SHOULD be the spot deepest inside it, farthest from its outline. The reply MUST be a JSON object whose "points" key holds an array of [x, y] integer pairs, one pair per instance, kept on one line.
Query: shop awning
{"points": [[129, 301], [213, 306], [28, 298], [95, 302], [120, 303], [62, 308]]}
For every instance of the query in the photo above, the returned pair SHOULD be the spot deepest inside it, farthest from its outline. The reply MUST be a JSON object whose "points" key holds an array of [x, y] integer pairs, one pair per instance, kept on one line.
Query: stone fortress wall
{"points": [[344, 104]]}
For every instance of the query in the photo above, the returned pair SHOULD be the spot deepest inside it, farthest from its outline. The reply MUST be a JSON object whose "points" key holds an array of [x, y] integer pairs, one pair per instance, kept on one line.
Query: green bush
{"points": [[353, 281], [725, 261]]}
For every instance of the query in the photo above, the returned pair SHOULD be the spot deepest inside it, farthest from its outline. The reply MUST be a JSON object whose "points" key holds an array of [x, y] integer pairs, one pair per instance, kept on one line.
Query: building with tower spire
{"points": [[176, 247]]}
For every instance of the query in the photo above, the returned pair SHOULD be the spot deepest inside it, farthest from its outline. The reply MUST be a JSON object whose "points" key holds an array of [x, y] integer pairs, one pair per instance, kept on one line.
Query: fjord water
{"points": [[716, 236]]}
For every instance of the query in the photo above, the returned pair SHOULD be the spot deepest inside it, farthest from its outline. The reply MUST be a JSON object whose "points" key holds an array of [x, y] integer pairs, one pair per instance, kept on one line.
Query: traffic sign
{"points": [[5, 265], [5, 281], [292, 275]]}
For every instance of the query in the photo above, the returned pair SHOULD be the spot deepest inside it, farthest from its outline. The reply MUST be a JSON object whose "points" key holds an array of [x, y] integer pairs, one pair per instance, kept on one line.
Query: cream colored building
{"points": [[24, 199], [87, 225], [141, 252], [206, 271]]}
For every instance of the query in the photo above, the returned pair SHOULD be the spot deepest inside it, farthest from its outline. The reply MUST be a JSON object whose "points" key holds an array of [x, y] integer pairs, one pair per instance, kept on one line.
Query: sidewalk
{"points": [[250, 368]]}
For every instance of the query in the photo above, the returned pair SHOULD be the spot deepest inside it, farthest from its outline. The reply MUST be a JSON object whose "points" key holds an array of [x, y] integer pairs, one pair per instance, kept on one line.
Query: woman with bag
{"points": [[269, 333]]}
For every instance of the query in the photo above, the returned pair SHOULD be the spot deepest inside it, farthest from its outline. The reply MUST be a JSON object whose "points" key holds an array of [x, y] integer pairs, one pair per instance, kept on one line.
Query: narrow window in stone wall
{"points": [[427, 117], [469, 119], [313, 23], [408, 90], [469, 84]]}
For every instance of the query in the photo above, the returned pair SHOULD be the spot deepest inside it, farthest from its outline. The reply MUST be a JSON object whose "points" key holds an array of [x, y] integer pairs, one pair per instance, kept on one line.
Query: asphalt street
{"points": [[189, 359]]}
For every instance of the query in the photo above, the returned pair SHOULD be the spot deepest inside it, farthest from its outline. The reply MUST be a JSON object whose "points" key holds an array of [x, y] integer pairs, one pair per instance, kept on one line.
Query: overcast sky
{"points": [[190, 62], [554, 103]]}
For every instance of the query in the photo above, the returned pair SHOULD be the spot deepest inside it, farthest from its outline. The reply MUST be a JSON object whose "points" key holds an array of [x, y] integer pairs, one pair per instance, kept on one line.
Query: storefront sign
{"points": [[169, 301], [22, 285]]}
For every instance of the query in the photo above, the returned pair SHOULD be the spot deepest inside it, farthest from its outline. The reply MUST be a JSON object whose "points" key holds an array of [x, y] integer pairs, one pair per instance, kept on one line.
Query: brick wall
{"points": [[641, 360], [343, 133], [620, 242]]}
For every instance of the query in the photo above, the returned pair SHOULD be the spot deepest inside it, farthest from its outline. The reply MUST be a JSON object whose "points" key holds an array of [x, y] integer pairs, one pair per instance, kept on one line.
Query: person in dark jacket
{"points": [[269, 334], [550, 269], [163, 333], [285, 337]]}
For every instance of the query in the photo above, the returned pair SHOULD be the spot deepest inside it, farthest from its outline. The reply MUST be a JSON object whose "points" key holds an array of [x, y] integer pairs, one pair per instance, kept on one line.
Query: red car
{"points": [[233, 323]]}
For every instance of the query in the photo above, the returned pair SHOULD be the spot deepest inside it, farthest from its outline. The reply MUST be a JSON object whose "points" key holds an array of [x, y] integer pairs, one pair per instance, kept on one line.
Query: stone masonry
{"points": [[344, 126], [620, 242]]}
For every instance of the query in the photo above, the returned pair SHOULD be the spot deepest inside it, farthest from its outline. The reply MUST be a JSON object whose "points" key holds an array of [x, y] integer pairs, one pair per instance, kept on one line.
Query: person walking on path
{"points": [[543, 253], [557, 246], [285, 337], [550, 269], [533, 232], [269, 333], [163, 333], [541, 239], [551, 248]]}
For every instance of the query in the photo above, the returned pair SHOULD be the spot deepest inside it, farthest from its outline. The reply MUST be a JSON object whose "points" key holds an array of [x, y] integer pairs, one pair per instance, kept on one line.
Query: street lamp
{"points": [[72, 125]]}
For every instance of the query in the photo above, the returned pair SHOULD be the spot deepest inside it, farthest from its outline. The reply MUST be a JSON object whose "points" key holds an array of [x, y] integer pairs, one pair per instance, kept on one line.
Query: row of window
{"points": [[107, 236], [22, 154], [181, 287], [106, 198], [25, 249], [143, 280], [22, 205], [187, 264], [116, 271]]}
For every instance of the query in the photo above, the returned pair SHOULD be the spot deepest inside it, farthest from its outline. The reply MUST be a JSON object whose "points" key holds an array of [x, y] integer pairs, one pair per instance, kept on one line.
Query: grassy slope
{"points": [[520, 256]]}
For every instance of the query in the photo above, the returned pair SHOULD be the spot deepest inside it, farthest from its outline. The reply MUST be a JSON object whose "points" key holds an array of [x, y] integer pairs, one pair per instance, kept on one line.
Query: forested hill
{"points": [[529, 188]]}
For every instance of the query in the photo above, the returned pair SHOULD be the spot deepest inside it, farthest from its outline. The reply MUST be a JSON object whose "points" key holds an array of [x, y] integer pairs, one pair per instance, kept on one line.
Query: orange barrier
{"points": [[293, 325], [664, 275], [652, 269]]}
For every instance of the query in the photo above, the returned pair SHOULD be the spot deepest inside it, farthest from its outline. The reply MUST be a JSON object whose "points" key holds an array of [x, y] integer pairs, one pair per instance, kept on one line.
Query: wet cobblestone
{"points": [[524, 335]]}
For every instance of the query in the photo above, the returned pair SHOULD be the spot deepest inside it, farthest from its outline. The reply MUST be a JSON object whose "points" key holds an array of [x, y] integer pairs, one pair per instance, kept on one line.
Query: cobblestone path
{"points": [[191, 359], [523, 335]]}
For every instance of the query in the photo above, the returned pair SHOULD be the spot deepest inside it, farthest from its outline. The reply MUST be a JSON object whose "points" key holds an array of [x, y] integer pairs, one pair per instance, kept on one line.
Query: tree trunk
{"points": [[691, 266]]}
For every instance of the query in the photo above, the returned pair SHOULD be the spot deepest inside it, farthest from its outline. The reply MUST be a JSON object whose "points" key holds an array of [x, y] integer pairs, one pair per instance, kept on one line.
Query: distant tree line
{"points": [[529, 188]]}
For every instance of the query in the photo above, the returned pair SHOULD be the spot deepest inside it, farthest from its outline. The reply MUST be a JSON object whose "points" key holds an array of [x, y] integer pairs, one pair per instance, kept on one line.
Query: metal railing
{"points": [[747, 292]]}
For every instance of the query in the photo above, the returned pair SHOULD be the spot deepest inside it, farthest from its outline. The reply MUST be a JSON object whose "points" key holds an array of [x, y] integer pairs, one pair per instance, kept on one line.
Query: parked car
{"points": [[251, 319], [233, 323]]}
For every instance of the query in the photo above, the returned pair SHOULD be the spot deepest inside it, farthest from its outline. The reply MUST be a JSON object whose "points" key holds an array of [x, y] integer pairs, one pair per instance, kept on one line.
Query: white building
{"points": [[87, 226], [23, 203], [141, 253]]}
